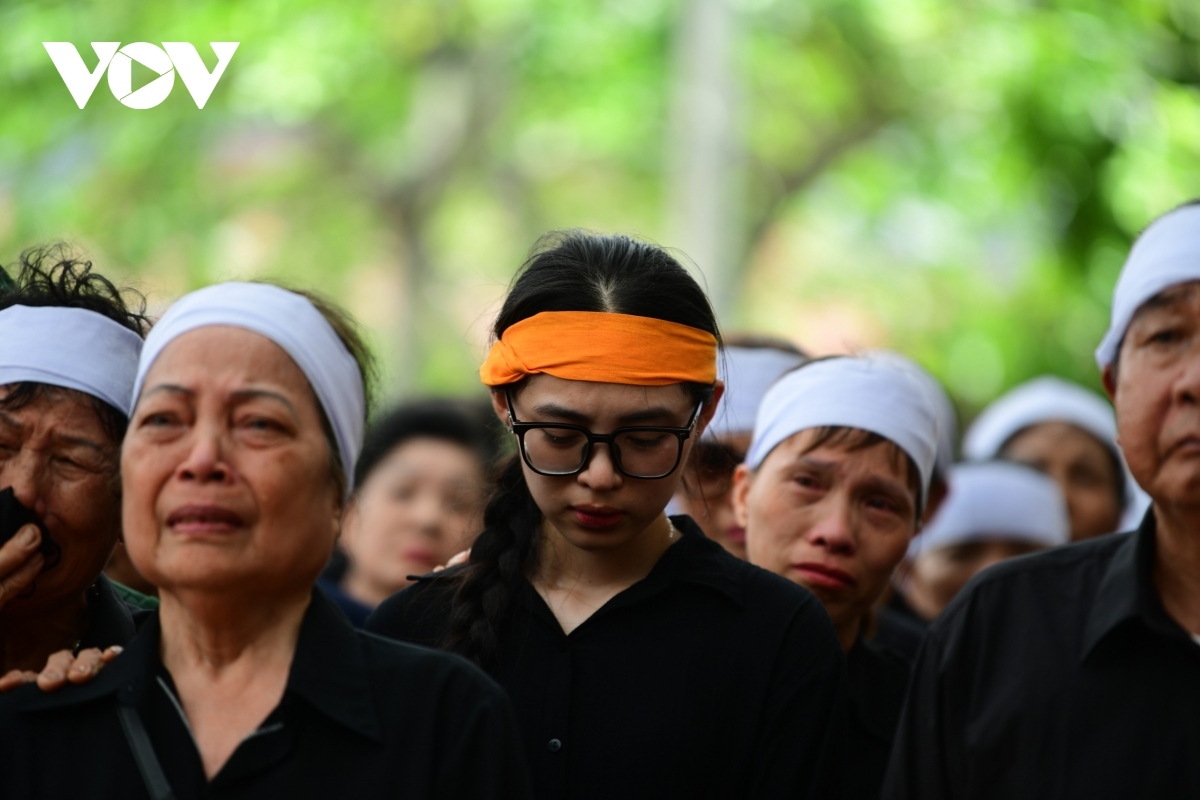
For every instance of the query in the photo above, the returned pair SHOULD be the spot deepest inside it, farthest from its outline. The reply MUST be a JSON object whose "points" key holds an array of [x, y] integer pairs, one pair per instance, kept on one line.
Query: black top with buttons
{"points": [[1053, 676], [709, 678], [361, 717]]}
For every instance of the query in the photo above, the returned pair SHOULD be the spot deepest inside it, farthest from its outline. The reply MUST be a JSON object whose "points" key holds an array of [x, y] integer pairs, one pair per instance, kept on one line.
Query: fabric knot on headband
{"points": [[72, 348], [290, 321], [602, 347]]}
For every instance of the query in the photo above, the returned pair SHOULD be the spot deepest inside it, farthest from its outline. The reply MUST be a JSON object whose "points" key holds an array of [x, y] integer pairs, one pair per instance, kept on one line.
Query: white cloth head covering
{"points": [[947, 416], [72, 348], [747, 372], [993, 500], [1165, 255], [1051, 399], [869, 393], [290, 321]]}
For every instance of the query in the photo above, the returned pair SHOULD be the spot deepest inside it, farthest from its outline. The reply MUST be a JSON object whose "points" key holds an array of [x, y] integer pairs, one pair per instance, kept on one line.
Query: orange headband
{"points": [[602, 347]]}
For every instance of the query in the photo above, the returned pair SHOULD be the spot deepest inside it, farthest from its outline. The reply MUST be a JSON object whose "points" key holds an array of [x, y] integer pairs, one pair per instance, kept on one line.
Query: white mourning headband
{"points": [[293, 323], [1165, 255], [871, 394], [72, 348]]}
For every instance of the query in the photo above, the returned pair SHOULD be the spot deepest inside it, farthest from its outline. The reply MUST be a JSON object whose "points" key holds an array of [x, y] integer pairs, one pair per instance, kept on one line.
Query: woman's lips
{"points": [[200, 519], [597, 516], [420, 556], [736, 533], [824, 576]]}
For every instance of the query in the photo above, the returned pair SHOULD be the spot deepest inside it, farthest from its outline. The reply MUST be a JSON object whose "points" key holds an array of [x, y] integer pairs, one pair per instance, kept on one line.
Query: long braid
{"points": [[489, 585]]}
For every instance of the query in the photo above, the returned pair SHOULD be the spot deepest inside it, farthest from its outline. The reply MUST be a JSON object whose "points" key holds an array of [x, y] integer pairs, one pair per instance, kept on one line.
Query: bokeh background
{"points": [[956, 179]]}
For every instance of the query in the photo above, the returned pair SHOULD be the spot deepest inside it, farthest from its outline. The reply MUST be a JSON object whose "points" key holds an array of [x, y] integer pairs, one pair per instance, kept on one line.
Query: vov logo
{"points": [[172, 57]]}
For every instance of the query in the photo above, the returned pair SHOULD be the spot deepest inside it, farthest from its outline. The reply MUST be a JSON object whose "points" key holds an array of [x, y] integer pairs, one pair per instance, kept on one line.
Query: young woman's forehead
{"points": [[601, 400]]}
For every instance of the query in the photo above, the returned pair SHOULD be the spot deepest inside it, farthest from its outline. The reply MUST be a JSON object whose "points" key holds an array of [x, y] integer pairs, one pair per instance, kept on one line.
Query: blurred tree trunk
{"points": [[704, 213]]}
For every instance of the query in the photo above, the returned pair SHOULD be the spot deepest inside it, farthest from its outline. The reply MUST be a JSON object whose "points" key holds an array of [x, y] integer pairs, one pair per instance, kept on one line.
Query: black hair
{"points": [[566, 271], [438, 418], [53, 277]]}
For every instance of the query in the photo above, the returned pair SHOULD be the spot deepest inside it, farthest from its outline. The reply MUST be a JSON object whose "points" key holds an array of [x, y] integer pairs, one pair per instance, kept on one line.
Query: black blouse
{"points": [[877, 678], [709, 678], [361, 717]]}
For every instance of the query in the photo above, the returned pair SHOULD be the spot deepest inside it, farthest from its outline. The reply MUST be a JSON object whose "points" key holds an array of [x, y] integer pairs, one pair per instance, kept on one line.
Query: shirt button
{"points": [[554, 745]]}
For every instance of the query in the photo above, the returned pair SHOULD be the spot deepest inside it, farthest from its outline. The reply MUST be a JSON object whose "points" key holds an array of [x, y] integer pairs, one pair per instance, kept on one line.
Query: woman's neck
{"points": [[212, 632], [561, 563], [27, 639], [359, 587], [1177, 564]]}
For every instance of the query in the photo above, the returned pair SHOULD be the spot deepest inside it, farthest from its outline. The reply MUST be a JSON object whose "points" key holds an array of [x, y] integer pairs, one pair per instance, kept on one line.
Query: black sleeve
{"points": [[802, 747], [417, 614], [483, 756], [927, 759]]}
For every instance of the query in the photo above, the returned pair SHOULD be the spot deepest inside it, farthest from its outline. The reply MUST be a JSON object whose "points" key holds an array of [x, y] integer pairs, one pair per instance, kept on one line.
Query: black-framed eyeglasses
{"points": [[558, 450]]}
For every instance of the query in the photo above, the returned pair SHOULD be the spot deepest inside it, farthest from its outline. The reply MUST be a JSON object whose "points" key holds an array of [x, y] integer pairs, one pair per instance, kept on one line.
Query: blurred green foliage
{"points": [[958, 180]]}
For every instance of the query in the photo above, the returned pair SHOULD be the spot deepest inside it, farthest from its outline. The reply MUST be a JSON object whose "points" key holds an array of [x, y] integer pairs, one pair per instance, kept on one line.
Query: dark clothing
{"points": [[355, 611], [111, 620], [876, 679], [709, 678], [900, 631], [361, 717], [1055, 675], [134, 598]]}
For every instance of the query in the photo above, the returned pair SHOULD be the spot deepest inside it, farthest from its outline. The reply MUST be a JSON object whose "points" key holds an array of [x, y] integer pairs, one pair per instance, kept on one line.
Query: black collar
{"points": [[329, 671], [698, 560], [1126, 593]]}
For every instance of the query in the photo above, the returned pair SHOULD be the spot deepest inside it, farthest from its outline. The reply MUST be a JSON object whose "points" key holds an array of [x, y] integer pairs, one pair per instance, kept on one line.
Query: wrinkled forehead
{"points": [[849, 450], [38, 410], [223, 358]]}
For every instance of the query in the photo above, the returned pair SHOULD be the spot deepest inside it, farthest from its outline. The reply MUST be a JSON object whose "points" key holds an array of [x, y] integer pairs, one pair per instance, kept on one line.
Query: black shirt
{"points": [[709, 678], [361, 717], [898, 628], [1056, 675], [876, 679]]}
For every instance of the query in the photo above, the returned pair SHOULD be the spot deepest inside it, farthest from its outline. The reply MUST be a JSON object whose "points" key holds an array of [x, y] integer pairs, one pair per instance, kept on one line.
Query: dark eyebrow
{"points": [[1169, 297], [893, 489], [169, 387], [653, 414]]}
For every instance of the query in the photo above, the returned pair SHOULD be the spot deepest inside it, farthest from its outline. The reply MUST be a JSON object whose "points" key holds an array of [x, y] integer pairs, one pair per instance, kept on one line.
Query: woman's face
{"points": [[599, 508], [1082, 467], [836, 521], [227, 471], [935, 577], [706, 492], [417, 508], [62, 463]]}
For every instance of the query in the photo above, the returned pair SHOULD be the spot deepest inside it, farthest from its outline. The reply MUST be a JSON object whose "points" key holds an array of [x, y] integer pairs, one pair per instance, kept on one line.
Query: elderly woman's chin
{"points": [[248, 564]]}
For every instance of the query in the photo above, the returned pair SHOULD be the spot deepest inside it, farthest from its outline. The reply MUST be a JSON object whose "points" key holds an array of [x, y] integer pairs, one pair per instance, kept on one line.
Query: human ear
{"points": [[1109, 378], [743, 477], [500, 406], [710, 408]]}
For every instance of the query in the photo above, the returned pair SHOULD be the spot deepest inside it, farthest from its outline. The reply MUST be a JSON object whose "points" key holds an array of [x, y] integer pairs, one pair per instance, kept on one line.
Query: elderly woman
{"points": [[69, 344], [832, 492], [1069, 433], [250, 403]]}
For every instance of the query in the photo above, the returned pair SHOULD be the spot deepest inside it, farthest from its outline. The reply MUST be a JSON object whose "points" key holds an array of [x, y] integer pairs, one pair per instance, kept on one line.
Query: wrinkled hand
{"points": [[459, 558], [20, 562], [62, 668]]}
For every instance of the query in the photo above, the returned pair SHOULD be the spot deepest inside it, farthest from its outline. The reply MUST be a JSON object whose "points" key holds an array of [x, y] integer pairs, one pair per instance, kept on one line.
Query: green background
{"points": [[956, 180]]}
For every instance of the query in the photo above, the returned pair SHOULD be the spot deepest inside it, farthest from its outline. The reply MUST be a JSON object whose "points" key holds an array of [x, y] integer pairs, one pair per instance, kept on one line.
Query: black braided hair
{"points": [[566, 271]]}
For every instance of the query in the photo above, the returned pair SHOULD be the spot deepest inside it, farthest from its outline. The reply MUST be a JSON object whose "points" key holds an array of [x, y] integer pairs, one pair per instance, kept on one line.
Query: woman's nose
{"points": [[27, 478], [834, 529], [600, 472], [205, 461]]}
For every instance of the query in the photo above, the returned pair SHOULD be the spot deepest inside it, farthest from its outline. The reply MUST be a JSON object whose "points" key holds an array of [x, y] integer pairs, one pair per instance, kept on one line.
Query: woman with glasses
{"points": [[643, 660]]}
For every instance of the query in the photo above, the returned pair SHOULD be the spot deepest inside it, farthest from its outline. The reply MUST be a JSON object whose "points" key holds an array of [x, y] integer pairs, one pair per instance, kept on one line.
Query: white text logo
{"points": [[172, 57]]}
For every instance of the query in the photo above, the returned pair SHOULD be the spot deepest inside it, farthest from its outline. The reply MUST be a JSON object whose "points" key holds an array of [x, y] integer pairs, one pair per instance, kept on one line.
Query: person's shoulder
{"points": [[419, 612], [425, 670], [1052, 580]]}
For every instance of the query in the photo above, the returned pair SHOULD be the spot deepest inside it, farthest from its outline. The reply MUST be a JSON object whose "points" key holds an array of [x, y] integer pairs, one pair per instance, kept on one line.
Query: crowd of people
{"points": [[660, 562]]}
